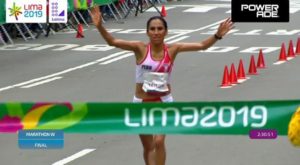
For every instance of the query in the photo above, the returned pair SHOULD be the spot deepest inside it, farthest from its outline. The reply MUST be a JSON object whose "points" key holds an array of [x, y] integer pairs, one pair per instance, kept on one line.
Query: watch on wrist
{"points": [[217, 37]]}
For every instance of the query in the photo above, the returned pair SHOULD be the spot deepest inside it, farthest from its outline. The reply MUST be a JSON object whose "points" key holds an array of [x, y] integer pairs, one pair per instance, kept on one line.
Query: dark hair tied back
{"points": [[159, 18]]}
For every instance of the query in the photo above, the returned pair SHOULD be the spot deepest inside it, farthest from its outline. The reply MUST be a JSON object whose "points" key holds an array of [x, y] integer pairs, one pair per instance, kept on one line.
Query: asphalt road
{"points": [[64, 68]]}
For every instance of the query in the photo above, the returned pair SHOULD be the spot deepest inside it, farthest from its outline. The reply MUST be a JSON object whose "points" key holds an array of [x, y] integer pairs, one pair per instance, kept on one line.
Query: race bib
{"points": [[155, 82]]}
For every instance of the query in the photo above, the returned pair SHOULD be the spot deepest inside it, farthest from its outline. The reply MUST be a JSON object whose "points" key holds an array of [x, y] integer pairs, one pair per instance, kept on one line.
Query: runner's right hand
{"points": [[96, 16]]}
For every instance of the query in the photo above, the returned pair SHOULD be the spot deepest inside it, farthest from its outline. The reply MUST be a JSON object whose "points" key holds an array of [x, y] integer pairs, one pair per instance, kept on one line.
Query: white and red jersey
{"points": [[148, 64]]}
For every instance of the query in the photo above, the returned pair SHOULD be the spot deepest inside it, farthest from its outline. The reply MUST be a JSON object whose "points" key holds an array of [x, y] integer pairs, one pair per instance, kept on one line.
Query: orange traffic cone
{"points": [[298, 47], [282, 55], [252, 67], [226, 79], [241, 76], [233, 77], [79, 31], [261, 61], [291, 53], [163, 11]]}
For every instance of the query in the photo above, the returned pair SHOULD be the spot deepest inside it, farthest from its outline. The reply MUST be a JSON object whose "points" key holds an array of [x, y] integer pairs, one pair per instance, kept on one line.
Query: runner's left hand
{"points": [[225, 27]]}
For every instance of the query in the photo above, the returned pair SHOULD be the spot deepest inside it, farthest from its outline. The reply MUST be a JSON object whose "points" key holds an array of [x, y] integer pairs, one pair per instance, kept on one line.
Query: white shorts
{"points": [[165, 99]]}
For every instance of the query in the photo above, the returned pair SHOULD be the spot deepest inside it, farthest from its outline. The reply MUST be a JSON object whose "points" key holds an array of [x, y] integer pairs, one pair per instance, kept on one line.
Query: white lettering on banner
{"points": [[164, 118], [244, 111], [102, 48], [264, 49], [130, 123], [222, 121], [204, 122], [19, 46], [193, 117], [207, 117], [284, 32], [63, 47], [258, 113], [216, 49]]}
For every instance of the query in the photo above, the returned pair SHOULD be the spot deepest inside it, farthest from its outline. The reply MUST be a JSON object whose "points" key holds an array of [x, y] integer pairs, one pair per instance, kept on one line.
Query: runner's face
{"points": [[156, 31]]}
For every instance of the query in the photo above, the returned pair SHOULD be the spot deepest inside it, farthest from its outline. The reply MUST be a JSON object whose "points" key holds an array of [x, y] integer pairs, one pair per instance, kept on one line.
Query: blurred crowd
{"points": [[117, 11]]}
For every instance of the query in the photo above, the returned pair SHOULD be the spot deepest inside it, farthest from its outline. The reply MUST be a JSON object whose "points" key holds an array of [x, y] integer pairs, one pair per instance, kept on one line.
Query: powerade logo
{"points": [[26, 11], [260, 10]]}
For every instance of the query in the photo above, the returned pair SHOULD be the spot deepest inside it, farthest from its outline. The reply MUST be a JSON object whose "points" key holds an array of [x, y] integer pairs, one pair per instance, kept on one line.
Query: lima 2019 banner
{"points": [[154, 118]]}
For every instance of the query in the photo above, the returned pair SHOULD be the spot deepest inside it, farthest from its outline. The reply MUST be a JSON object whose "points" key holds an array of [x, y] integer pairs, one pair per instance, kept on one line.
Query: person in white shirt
{"points": [[154, 61]]}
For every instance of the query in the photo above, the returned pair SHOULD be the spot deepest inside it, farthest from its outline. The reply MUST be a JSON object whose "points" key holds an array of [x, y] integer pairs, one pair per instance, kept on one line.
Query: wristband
{"points": [[217, 37]]}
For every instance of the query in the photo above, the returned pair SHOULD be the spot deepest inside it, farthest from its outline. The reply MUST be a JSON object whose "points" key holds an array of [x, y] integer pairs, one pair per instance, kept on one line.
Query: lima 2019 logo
{"points": [[26, 11], [15, 11]]}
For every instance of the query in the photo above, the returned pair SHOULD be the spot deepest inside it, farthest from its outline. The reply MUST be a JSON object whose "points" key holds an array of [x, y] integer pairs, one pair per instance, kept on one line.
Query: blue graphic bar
{"points": [[41, 144], [41, 139], [41, 134]]}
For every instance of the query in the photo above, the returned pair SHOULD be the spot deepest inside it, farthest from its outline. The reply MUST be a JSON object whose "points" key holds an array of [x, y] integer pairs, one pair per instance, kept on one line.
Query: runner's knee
{"points": [[148, 143], [159, 142]]}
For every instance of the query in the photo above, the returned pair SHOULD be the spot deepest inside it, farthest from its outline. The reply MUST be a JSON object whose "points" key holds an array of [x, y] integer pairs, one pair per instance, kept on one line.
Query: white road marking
{"points": [[41, 82], [226, 87], [279, 62], [172, 37], [177, 39], [199, 9], [152, 9], [218, 49], [256, 49], [219, 5], [116, 59], [294, 10], [73, 157], [6, 88], [64, 47], [290, 58], [243, 80], [112, 56]]}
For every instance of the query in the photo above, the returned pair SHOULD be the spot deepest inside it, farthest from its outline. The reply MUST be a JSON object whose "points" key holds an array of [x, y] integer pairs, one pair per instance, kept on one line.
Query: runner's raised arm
{"points": [[135, 46]]}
